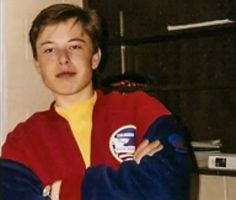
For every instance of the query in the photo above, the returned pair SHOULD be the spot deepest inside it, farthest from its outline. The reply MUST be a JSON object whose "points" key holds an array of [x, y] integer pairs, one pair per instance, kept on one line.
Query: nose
{"points": [[63, 57]]}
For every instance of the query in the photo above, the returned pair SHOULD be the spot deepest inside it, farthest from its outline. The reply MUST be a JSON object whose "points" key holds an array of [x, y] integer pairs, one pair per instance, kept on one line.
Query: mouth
{"points": [[65, 74]]}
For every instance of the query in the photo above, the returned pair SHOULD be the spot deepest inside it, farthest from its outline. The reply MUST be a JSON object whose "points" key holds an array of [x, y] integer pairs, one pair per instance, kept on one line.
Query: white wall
{"points": [[217, 188], [22, 92], [1, 68]]}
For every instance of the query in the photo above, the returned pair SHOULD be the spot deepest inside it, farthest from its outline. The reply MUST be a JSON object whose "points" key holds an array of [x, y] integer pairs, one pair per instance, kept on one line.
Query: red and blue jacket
{"points": [[42, 150]]}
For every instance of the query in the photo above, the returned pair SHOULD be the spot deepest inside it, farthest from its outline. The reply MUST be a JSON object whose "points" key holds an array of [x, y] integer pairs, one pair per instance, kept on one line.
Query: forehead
{"points": [[62, 31]]}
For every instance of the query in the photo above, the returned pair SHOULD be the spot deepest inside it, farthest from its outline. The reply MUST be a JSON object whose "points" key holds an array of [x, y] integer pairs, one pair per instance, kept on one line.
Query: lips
{"points": [[65, 74]]}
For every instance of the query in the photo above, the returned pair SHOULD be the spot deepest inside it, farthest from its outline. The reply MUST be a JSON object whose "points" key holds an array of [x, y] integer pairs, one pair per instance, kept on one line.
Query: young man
{"points": [[90, 145]]}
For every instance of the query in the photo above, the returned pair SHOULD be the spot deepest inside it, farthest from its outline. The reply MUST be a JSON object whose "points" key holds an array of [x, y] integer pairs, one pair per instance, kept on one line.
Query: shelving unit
{"points": [[194, 69], [191, 33], [217, 172]]}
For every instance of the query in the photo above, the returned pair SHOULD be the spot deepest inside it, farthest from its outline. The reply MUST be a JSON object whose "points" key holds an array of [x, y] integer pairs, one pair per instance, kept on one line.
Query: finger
{"points": [[151, 147], [155, 150], [140, 148], [55, 192]]}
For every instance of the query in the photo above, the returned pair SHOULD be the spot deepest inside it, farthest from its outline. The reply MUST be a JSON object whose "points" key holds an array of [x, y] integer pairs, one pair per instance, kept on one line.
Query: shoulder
{"points": [[31, 125], [28, 134], [37, 118], [138, 99], [136, 96]]}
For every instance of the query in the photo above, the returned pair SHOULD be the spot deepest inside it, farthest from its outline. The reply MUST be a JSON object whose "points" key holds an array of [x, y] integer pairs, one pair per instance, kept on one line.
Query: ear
{"points": [[96, 58]]}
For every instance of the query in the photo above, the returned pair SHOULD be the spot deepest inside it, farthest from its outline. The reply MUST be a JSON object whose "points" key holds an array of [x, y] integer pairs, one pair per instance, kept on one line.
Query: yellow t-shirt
{"points": [[79, 116]]}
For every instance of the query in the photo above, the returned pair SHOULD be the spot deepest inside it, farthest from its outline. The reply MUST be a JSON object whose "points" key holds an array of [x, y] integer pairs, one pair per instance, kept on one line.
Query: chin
{"points": [[67, 93], [69, 89]]}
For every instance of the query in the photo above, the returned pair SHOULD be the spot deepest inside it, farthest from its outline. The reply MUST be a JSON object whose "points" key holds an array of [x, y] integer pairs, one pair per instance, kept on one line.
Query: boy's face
{"points": [[66, 59]]}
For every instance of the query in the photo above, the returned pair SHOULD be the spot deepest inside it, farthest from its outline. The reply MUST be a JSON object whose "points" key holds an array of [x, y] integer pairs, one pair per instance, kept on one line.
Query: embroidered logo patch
{"points": [[122, 143], [177, 142]]}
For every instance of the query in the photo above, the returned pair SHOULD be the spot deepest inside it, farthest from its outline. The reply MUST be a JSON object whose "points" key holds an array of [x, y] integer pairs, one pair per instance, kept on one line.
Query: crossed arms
{"points": [[161, 170]]}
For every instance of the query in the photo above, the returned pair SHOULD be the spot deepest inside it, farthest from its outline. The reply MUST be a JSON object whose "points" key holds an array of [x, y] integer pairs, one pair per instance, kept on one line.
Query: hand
{"points": [[147, 148], [53, 190]]}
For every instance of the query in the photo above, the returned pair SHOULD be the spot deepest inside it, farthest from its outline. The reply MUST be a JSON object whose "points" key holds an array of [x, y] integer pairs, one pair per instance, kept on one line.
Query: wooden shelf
{"points": [[173, 88], [195, 87], [207, 171], [178, 34]]}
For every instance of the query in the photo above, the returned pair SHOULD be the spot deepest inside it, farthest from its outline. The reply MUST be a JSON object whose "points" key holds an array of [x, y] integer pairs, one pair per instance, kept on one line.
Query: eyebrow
{"points": [[71, 40], [77, 40]]}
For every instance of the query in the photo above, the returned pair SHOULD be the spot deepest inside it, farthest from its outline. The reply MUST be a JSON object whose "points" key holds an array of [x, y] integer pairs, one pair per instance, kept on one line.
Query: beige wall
{"points": [[217, 188], [22, 91]]}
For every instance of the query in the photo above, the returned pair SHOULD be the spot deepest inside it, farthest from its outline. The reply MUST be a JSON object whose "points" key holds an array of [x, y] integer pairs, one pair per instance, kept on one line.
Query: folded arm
{"points": [[19, 182], [165, 175]]}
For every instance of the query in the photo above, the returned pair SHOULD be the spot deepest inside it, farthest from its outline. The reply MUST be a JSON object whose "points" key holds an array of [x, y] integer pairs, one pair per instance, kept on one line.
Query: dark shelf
{"points": [[128, 89], [208, 171], [176, 87], [178, 34], [195, 87]]}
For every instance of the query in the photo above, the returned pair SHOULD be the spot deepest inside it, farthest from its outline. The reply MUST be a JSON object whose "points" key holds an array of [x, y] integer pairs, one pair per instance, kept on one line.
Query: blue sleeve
{"points": [[164, 176], [18, 182]]}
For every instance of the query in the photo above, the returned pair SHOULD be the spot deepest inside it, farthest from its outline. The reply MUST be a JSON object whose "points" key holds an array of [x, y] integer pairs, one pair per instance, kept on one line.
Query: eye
{"points": [[75, 47], [49, 50]]}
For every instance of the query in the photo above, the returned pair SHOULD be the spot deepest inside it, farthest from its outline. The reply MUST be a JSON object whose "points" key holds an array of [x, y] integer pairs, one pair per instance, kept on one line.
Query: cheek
{"points": [[46, 63], [82, 57], [44, 68], [85, 73], [45, 58]]}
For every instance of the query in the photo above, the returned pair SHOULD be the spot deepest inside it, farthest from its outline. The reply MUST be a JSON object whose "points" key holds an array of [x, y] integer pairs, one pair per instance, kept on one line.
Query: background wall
{"points": [[216, 187], [22, 92]]}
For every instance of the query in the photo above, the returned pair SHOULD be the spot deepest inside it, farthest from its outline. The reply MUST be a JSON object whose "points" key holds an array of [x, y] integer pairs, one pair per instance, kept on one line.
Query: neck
{"points": [[65, 101]]}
